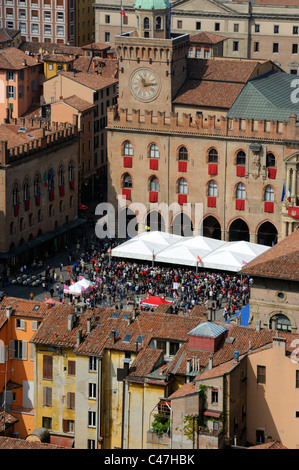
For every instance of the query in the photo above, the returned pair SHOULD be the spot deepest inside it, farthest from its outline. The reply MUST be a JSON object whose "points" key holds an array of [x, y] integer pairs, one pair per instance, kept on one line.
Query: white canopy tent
{"points": [[144, 245], [187, 250], [175, 249]]}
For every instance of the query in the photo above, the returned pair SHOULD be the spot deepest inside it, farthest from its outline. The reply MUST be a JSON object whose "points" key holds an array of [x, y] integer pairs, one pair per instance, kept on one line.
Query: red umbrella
{"points": [[82, 207], [154, 301]]}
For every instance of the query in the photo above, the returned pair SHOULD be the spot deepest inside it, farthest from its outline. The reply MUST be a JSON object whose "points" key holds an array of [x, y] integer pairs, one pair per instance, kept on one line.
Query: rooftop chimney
{"points": [[88, 327], [258, 325], [79, 337], [8, 311], [210, 362]]}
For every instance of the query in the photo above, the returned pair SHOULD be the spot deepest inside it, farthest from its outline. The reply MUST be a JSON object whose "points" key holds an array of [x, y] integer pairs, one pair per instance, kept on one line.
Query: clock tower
{"points": [[152, 62]]}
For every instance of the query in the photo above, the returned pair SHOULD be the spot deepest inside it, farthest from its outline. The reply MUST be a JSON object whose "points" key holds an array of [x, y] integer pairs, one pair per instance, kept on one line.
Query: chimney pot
{"points": [[8, 311]]}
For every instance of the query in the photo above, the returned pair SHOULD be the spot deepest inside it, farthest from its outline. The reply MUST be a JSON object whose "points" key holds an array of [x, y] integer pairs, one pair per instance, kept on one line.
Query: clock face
{"points": [[145, 84]]}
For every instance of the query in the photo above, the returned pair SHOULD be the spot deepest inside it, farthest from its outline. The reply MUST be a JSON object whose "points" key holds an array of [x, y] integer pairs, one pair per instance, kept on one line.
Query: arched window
{"points": [[15, 194], [154, 151], [213, 188], [241, 158], [269, 193], [146, 23], [36, 185], [71, 172], [241, 191], [183, 154], [26, 194], [213, 156], [270, 160], [154, 184], [60, 176], [51, 178], [182, 186], [127, 148], [158, 22], [127, 181]]}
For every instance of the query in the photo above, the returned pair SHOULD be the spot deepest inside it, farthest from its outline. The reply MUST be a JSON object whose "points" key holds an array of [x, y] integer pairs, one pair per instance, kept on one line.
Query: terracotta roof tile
{"points": [[75, 102], [269, 445], [24, 307], [13, 443], [7, 420], [280, 261], [13, 59], [206, 38], [186, 389], [94, 81], [208, 94]]}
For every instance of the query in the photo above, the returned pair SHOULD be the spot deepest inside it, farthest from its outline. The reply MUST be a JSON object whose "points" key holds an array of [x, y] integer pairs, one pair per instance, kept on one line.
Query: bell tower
{"points": [[152, 17], [152, 65]]}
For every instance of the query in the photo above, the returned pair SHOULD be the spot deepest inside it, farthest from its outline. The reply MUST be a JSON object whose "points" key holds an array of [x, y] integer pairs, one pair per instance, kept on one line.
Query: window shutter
{"points": [[71, 368], [34, 325], [7, 92], [47, 367], [24, 350], [14, 92], [22, 324], [32, 352], [11, 349], [65, 425]]}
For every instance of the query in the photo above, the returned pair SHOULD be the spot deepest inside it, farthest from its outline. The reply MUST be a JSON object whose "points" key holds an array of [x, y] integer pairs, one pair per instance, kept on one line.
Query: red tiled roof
{"points": [[7, 420], [221, 69], [94, 81], [13, 443], [7, 34], [280, 261], [269, 445], [24, 307], [13, 59], [75, 102], [186, 389], [96, 46], [208, 94], [206, 38], [215, 82], [144, 362]]}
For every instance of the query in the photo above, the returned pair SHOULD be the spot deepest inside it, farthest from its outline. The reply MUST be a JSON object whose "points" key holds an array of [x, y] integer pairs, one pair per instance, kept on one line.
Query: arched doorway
{"points": [[267, 234], [154, 221], [127, 224], [182, 225], [211, 228], [238, 230]]}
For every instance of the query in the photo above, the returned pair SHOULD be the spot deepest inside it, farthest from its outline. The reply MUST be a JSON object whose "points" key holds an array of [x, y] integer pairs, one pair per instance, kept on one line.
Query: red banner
{"points": [[16, 210], [61, 190], [272, 173], [27, 204], [128, 162], [183, 166], [154, 163], [213, 169], [37, 199], [126, 192], [182, 199], [211, 201], [240, 204], [269, 206], [240, 170], [293, 212], [153, 196]]}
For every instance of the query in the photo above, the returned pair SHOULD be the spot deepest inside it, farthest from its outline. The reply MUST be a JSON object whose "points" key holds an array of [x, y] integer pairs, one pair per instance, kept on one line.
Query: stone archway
{"points": [[238, 230], [154, 221], [211, 228], [267, 234], [182, 225]]}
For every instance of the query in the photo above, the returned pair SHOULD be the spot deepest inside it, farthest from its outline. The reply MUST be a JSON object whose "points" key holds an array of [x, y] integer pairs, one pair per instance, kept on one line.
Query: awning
{"points": [[213, 414]]}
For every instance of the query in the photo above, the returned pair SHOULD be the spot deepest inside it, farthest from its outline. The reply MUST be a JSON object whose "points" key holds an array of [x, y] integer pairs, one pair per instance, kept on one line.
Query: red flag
{"points": [[122, 12], [198, 259]]}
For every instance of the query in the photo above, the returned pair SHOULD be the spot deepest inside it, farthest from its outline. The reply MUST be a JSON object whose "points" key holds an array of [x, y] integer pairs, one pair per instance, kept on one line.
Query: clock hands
{"points": [[145, 83]]}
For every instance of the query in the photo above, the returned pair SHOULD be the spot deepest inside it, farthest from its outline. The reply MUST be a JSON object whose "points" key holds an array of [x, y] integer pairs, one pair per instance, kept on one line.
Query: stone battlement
{"points": [[204, 125], [51, 134]]}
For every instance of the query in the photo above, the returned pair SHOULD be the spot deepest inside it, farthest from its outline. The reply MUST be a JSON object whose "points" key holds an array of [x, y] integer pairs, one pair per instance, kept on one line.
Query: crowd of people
{"points": [[117, 282]]}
